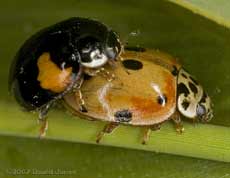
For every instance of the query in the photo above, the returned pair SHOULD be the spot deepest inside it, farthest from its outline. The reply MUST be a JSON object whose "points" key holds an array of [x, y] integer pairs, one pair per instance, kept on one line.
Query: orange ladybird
{"points": [[150, 87]]}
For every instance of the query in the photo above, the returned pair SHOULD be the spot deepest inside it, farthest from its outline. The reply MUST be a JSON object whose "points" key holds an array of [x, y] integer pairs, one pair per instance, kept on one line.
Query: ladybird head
{"points": [[91, 53], [204, 109], [95, 53], [192, 100]]}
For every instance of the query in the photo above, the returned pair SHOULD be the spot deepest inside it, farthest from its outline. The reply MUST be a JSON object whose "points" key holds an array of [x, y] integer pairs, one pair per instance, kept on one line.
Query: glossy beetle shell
{"points": [[48, 62], [143, 92]]}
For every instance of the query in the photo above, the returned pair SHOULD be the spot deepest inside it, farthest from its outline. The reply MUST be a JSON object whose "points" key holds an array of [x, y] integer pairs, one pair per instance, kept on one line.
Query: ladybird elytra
{"points": [[145, 96], [139, 92]]}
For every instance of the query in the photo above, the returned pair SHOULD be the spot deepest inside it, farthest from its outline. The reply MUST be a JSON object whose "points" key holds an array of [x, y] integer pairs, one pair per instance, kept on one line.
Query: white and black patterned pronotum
{"points": [[192, 100], [150, 88]]}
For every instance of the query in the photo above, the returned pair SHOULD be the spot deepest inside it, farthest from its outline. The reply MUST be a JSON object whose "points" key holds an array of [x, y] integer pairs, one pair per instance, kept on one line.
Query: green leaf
{"points": [[214, 10], [199, 140], [87, 161]]}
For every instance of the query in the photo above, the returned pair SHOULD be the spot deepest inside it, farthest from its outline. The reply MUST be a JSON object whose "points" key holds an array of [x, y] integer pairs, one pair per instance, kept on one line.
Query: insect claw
{"points": [[108, 128], [146, 135], [178, 123], [179, 129], [43, 127], [99, 137], [83, 108]]}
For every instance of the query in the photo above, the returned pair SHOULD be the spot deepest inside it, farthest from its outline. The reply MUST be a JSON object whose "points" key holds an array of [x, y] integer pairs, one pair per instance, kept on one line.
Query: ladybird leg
{"points": [[79, 97], [43, 127], [42, 120], [107, 129], [178, 123], [73, 87], [120, 59], [109, 76], [147, 132], [195, 121], [102, 71], [146, 135], [156, 127]]}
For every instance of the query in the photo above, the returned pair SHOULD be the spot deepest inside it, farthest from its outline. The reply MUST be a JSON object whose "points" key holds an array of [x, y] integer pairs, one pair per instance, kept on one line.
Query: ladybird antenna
{"points": [[132, 34]]}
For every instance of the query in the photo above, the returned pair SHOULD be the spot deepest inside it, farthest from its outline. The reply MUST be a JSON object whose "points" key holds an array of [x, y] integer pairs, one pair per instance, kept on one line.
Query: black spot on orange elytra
{"points": [[132, 64], [123, 115], [162, 100]]}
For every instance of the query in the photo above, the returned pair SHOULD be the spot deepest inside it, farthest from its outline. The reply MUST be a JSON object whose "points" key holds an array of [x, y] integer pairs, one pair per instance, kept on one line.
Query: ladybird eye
{"points": [[112, 52], [132, 64], [201, 111]]}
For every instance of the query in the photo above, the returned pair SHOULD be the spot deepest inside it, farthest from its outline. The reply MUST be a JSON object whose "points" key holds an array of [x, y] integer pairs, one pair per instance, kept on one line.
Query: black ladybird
{"points": [[53, 62]]}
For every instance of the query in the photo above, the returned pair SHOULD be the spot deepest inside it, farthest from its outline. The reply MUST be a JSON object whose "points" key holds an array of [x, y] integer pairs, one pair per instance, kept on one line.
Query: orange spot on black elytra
{"points": [[50, 76]]}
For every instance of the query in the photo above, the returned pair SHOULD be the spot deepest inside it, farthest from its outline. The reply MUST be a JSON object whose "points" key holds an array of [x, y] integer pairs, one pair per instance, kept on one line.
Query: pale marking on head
{"points": [[98, 59]]}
